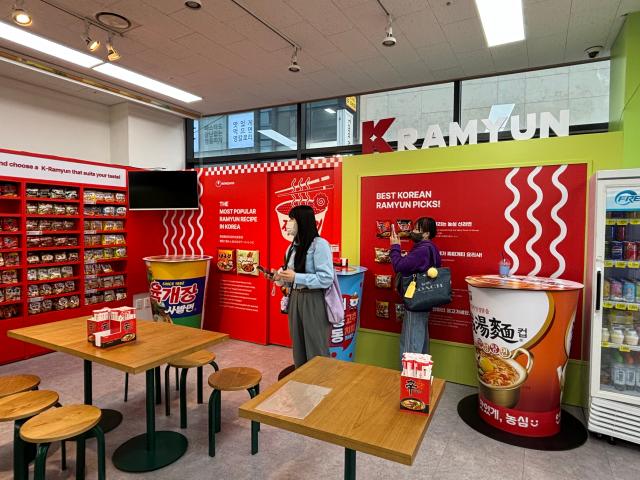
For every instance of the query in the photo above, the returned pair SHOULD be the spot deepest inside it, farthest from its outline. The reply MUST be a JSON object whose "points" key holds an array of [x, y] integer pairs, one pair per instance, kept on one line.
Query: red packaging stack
{"points": [[415, 382], [120, 326]]}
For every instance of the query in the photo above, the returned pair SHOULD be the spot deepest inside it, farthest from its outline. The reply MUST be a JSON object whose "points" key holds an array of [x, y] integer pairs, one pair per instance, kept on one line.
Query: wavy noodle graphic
{"points": [[184, 233], [563, 226], [199, 220], [534, 221], [166, 232], [507, 215], [175, 233], [190, 241]]}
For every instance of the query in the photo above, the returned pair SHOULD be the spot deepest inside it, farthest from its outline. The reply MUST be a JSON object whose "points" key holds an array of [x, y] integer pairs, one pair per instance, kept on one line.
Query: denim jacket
{"points": [[318, 267]]}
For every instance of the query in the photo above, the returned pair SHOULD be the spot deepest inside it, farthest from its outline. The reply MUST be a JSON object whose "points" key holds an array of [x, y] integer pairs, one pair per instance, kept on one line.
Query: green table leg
{"points": [[110, 418], [349, 464], [152, 450]]}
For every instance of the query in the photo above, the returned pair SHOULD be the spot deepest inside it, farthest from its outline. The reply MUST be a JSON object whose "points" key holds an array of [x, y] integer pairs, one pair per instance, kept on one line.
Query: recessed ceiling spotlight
{"points": [[20, 15], [389, 39], [293, 66], [112, 53], [92, 43], [193, 4]]}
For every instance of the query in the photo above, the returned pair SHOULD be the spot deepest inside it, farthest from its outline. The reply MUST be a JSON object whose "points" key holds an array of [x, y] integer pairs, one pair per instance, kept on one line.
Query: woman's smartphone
{"points": [[265, 272]]}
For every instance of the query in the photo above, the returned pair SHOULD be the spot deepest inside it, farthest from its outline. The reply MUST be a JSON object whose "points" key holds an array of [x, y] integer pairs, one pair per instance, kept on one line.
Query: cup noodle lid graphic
{"points": [[319, 203], [522, 282]]}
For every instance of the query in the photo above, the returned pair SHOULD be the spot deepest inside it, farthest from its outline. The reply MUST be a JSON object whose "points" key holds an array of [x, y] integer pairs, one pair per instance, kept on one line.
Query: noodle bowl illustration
{"points": [[303, 191]]}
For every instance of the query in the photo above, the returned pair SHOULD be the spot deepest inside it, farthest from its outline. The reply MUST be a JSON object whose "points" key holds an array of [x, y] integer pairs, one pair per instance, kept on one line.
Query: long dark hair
{"points": [[307, 232], [427, 224]]}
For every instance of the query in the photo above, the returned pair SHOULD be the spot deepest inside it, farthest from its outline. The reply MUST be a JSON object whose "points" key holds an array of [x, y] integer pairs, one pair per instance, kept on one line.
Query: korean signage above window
{"points": [[240, 131]]}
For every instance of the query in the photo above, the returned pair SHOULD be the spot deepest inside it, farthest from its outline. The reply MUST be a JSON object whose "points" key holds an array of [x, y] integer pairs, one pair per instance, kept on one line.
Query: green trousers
{"points": [[308, 325]]}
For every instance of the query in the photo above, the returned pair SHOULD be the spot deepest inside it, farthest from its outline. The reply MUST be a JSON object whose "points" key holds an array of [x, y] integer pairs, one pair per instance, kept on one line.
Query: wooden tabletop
{"points": [[362, 411], [157, 343]]}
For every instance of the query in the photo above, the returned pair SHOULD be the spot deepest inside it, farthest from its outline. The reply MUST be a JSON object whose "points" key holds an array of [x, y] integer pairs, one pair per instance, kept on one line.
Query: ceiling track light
{"points": [[112, 53], [92, 43], [293, 66], [20, 16], [389, 40]]}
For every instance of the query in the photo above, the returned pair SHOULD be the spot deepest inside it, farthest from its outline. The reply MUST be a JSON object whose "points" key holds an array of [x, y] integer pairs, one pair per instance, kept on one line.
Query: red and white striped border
{"points": [[284, 166]]}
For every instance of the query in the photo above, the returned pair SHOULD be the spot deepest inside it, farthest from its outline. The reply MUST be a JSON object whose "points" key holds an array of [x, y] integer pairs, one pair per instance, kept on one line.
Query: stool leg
{"points": [[183, 398], [199, 385], [20, 463], [126, 386], [80, 457], [167, 406], [257, 390], [97, 431], [218, 410], [41, 461], [253, 391], [63, 454], [177, 380], [211, 423], [215, 366]]}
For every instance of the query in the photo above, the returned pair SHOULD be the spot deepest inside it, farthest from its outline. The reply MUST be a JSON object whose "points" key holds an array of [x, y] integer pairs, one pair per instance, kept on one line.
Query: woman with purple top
{"points": [[423, 255]]}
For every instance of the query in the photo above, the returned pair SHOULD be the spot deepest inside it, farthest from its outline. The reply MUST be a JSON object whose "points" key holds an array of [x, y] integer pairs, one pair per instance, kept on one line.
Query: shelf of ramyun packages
{"points": [[620, 346], [621, 264], [51, 297], [621, 305]]}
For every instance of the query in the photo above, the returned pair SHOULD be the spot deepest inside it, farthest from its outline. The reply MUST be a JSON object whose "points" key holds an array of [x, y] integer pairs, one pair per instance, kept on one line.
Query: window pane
{"points": [[582, 89], [264, 130], [412, 108], [331, 123]]}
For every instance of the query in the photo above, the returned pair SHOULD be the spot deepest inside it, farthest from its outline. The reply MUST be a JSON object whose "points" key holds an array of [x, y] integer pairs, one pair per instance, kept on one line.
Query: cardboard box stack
{"points": [[415, 382], [112, 326]]}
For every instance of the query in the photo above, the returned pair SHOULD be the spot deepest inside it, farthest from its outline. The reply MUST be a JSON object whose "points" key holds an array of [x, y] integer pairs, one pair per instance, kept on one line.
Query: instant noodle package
{"points": [[415, 382], [225, 260], [112, 326]]}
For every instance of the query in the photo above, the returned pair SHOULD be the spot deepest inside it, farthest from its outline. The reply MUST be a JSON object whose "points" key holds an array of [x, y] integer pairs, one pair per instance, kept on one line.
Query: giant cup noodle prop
{"points": [[177, 286], [304, 191]]}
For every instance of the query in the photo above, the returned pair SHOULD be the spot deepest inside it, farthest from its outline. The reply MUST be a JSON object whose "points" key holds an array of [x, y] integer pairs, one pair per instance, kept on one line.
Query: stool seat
{"points": [[235, 378], [10, 384], [193, 360], [26, 404], [60, 423]]}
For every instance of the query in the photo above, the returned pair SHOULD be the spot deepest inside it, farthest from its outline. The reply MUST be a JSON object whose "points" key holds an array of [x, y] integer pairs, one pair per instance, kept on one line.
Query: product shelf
{"points": [[2, 233], [52, 200], [37, 215], [103, 232], [109, 245], [96, 275], [35, 233], [10, 198], [11, 267], [106, 260], [104, 217], [61, 279], [9, 250], [89, 291], [52, 264], [50, 297], [10, 302], [45, 249], [96, 306], [12, 215], [15, 284], [115, 204]]}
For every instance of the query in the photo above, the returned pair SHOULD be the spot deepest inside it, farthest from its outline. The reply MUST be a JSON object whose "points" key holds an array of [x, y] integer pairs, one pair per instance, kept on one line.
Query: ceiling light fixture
{"points": [[330, 110], [92, 44], [35, 42], [145, 82], [193, 4], [112, 53], [20, 15], [502, 21], [389, 40], [293, 66]]}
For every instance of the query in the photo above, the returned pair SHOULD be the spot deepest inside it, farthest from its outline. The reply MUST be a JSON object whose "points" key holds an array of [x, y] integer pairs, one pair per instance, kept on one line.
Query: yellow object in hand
{"points": [[411, 289], [432, 272]]}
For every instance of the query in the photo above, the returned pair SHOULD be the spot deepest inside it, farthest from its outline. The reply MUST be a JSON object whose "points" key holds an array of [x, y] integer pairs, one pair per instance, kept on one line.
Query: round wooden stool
{"points": [[194, 360], [10, 384], [64, 423], [231, 379], [18, 408]]}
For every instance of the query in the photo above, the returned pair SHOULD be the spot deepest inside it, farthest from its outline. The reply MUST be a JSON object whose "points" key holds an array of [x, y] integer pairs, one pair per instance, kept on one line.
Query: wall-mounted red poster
{"points": [[319, 188], [533, 216], [234, 220]]}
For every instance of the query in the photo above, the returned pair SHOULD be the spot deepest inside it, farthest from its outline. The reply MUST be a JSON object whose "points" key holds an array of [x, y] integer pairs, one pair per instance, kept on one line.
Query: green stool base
{"points": [[133, 456]]}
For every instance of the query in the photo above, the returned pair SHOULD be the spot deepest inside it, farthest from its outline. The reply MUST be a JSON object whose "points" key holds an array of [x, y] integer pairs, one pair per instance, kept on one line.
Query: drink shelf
{"points": [[620, 346]]}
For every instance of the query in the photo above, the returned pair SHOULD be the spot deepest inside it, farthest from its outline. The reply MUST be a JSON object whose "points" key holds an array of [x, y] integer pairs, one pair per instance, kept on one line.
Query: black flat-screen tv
{"points": [[163, 190]]}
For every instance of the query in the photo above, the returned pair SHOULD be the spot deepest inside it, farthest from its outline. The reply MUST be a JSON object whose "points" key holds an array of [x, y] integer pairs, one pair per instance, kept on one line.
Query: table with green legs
{"points": [[157, 343], [361, 412]]}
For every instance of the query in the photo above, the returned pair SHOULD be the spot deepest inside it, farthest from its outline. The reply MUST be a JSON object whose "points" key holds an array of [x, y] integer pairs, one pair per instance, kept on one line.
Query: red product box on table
{"points": [[415, 383], [122, 327]]}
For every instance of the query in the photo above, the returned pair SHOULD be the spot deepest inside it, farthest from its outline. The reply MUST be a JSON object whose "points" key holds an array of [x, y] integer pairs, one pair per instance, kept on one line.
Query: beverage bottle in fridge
{"points": [[618, 372], [629, 372]]}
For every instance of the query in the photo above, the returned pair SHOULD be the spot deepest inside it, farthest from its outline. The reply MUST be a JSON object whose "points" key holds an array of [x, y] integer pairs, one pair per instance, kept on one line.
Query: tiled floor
{"points": [[450, 448]]}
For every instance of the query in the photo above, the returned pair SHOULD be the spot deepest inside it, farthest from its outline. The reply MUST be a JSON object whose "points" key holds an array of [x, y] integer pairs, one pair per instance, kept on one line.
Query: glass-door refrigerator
{"points": [[613, 287]]}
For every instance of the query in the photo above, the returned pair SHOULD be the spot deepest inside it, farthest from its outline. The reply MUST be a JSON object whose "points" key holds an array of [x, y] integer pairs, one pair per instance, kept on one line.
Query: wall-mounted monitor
{"points": [[163, 190]]}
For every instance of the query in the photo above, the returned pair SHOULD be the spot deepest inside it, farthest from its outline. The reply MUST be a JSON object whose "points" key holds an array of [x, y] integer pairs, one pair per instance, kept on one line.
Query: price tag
{"points": [[89, 262], [611, 221], [635, 221], [90, 202], [607, 304], [34, 232], [634, 307], [621, 306], [633, 264], [622, 221], [91, 290], [605, 344], [90, 277], [35, 299], [621, 264], [89, 232], [608, 263], [624, 348]]}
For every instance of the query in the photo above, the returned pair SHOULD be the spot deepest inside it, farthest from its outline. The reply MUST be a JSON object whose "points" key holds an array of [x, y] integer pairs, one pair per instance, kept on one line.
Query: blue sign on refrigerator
{"points": [[623, 199], [342, 337]]}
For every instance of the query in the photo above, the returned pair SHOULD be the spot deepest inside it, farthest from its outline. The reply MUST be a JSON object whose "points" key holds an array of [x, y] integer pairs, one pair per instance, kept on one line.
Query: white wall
{"points": [[38, 120]]}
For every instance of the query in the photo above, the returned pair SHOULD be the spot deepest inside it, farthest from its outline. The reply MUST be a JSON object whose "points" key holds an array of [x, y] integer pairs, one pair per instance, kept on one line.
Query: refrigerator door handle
{"points": [[598, 287]]}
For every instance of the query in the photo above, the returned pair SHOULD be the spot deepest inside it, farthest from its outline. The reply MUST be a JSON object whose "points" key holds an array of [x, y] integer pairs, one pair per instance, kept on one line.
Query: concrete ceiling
{"points": [[231, 60]]}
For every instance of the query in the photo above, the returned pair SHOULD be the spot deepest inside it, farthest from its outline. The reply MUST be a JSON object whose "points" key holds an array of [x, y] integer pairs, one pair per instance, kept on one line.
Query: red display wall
{"points": [[534, 216]]}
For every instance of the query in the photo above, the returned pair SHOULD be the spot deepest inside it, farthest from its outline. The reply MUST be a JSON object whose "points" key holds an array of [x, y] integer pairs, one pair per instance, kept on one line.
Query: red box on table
{"points": [[100, 322], [415, 394], [122, 327]]}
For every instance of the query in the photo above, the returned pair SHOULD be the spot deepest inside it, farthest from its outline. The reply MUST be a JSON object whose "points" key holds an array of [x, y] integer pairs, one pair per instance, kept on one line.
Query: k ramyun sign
{"points": [[372, 132]]}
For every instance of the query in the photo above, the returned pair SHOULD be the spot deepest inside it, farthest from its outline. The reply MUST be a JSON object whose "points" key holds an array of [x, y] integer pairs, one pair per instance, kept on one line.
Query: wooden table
{"points": [[361, 413], [156, 345]]}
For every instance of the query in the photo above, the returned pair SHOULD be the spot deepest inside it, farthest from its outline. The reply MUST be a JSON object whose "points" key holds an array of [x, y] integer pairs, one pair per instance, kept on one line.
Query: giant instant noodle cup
{"points": [[522, 328], [319, 203], [177, 286]]}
